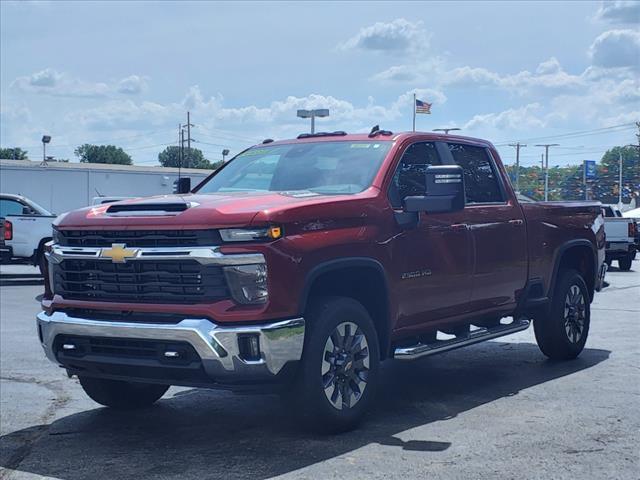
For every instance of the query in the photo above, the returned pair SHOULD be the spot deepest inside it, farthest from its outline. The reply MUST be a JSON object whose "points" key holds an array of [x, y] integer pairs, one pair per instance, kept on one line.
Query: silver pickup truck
{"points": [[621, 237]]}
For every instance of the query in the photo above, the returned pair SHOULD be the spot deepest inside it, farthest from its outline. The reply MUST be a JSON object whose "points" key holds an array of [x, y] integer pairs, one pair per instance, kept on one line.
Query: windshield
{"points": [[322, 167], [39, 208]]}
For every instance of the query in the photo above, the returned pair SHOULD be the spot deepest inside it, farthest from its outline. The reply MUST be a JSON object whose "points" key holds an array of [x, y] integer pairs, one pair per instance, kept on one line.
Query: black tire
{"points": [[562, 330], [122, 395], [354, 372], [625, 263], [41, 262]]}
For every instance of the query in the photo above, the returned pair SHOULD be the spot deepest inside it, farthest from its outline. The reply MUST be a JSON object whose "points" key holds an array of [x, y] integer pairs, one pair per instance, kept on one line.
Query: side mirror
{"points": [[27, 211], [444, 192], [182, 185]]}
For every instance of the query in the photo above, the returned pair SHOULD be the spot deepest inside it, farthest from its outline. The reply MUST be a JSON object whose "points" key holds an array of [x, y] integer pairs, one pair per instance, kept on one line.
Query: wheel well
{"points": [[364, 284], [39, 249], [581, 259]]}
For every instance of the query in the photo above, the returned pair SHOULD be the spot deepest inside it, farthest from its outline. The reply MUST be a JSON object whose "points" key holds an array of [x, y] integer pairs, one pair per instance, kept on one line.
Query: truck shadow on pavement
{"points": [[211, 434]]}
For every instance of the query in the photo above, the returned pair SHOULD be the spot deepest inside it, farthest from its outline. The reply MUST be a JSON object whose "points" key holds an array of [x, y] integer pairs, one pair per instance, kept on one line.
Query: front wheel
{"points": [[561, 331], [625, 263], [122, 395], [338, 374]]}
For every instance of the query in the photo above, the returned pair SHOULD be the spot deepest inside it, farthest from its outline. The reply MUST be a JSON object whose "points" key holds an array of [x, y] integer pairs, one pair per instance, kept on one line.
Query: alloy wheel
{"points": [[345, 365], [574, 314]]}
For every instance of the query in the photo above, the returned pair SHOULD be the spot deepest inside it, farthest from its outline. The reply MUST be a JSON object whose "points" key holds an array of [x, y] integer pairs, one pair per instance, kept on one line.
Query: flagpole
{"points": [[414, 112]]}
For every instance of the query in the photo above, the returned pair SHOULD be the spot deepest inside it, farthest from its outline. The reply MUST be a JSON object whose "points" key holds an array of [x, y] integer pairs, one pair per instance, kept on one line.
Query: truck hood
{"points": [[226, 209]]}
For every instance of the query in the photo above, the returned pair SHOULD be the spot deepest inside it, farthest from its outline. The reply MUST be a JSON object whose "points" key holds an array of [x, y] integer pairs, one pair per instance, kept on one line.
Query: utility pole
{"points": [[189, 125], [620, 179], [518, 147], [181, 151], [546, 167], [584, 180]]}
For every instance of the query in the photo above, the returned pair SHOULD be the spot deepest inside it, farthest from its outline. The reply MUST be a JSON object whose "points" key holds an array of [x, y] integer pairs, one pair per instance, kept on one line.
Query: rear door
{"points": [[433, 260], [497, 228]]}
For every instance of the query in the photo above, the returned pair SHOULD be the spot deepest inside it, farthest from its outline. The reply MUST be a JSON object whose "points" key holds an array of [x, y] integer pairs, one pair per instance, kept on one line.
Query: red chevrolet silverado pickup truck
{"points": [[302, 264]]}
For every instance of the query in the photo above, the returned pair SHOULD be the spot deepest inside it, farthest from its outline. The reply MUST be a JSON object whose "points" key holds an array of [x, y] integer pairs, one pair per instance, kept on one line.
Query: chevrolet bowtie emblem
{"points": [[118, 253]]}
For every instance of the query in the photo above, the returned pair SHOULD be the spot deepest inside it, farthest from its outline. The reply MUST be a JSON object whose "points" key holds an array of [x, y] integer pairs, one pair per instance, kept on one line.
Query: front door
{"points": [[432, 261]]}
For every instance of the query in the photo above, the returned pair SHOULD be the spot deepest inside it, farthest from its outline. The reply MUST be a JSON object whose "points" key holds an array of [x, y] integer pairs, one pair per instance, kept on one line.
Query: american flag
{"points": [[422, 107]]}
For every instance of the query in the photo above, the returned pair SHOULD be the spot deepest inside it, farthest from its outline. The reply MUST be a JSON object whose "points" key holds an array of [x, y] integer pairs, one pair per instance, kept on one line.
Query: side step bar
{"points": [[476, 336]]}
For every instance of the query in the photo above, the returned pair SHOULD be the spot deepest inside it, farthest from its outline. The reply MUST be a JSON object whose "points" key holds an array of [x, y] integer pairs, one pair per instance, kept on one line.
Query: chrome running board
{"points": [[475, 336]]}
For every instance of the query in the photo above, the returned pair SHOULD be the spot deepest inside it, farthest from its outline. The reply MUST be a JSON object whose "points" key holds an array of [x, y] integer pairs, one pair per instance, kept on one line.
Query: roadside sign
{"points": [[589, 169]]}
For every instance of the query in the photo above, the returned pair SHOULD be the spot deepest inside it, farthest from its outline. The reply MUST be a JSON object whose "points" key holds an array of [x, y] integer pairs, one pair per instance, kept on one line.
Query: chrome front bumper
{"points": [[217, 346]]}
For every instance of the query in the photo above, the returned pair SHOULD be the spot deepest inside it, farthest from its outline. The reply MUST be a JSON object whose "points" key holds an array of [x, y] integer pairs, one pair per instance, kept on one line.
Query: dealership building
{"points": [[60, 187]]}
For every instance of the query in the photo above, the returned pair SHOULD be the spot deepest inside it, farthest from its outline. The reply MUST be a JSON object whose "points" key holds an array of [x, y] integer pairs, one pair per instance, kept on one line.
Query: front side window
{"points": [[409, 179], [480, 176], [319, 167]]}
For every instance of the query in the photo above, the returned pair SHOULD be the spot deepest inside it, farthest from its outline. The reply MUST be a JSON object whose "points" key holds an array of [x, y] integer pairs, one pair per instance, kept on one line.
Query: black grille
{"points": [[161, 281], [138, 238], [124, 348]]}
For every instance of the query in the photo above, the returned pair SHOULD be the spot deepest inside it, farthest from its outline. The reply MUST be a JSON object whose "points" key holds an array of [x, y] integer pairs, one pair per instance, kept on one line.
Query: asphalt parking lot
{"points": [[495, 410]]}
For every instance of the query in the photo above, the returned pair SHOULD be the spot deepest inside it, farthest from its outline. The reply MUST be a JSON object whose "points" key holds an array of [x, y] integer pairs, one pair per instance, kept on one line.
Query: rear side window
{"points": [[10, 207], [409, 178], [480, 176]]}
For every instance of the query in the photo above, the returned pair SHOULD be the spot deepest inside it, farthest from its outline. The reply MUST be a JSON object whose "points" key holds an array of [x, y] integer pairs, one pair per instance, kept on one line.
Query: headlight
{"points": [[250, 234], [248, 283]]}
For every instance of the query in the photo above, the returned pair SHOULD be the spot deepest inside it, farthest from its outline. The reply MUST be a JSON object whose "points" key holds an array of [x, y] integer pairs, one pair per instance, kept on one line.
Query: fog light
{"points": [[248, 283], [249, 347]]}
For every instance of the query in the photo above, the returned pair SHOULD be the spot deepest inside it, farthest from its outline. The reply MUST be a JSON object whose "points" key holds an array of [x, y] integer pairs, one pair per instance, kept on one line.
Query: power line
{"points": [[147, 146], [225, 134], [611, 129]]}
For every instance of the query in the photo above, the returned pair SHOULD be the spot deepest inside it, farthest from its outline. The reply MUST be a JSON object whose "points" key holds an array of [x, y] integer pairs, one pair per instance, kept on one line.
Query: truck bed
{"points": [[551, 224]]}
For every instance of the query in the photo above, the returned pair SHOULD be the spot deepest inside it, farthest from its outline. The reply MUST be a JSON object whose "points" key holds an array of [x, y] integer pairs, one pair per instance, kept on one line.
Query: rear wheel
{"points": [[339, 368], [625, 263], [561, 331], [122, 395]]}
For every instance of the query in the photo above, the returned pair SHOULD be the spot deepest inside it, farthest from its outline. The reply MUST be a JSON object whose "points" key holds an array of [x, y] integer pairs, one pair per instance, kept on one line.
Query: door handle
{"points": [[459, 226], [516, 223]]}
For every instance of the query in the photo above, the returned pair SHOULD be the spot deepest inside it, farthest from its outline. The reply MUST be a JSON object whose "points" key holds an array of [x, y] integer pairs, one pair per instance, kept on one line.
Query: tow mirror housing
{"points": [[444, 191]]}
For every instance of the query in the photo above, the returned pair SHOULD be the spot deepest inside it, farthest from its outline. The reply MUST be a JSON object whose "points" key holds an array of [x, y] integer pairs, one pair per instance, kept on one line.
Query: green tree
{"points": [[607, 186], [170, 157], [14, 153], [102, 154]]}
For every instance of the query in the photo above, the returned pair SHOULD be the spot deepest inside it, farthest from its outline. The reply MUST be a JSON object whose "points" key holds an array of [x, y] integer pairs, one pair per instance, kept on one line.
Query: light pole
{"points": [[225, 152], [45, 139], [312, 114], [546, 167], [445, 130]]}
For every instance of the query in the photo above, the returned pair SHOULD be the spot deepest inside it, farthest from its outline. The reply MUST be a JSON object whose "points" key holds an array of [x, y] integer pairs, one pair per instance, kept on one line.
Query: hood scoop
{"points": [[147, 209]]}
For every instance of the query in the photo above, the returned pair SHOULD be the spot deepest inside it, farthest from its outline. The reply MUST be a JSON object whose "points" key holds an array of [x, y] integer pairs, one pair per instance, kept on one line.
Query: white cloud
{"points": [[616, 48], [526, 117], [44, 78], [51, 82], [400, 35], [548, 75], [132, 85], [275, 119], [619, 11]]}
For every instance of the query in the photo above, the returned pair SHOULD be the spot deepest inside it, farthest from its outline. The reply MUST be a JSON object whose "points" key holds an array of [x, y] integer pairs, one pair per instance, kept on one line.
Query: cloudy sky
{"points": [[127, 72]]}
